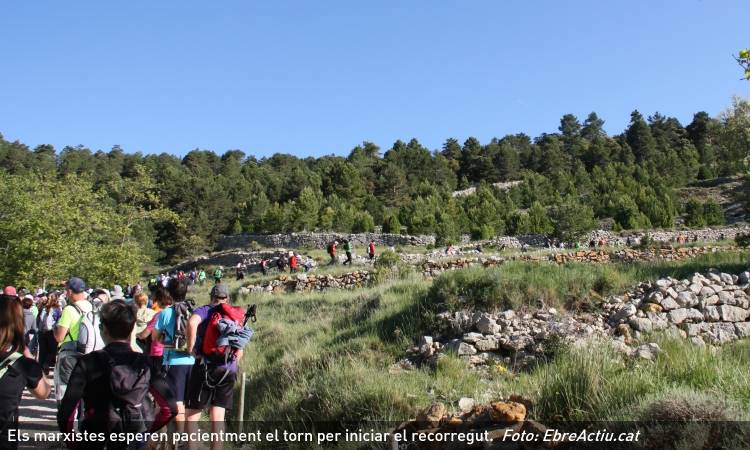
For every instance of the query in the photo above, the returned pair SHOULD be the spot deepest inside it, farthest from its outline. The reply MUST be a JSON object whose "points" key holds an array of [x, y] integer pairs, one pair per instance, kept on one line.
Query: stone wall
{"points": [[320, 240], [309, 282]]}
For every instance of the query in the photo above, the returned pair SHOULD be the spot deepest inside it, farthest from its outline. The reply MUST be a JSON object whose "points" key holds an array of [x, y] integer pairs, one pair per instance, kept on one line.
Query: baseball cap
{"points": [[220, 290], [10, 290], [76, 285]]}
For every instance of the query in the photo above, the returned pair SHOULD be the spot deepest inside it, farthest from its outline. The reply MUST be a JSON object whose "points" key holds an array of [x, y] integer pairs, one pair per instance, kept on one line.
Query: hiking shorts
{"points": [[177, 377], [207, 388]]}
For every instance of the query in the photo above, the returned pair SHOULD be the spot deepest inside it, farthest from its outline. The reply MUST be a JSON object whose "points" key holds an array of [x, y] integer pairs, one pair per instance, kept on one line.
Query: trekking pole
{"points": [[242, 402]]}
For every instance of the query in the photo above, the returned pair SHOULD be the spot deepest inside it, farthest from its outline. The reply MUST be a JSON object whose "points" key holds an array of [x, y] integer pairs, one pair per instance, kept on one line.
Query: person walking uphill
{"points": [[218, 275], [78, 314], [332, 247], [348, 250], [171, 329], [371, 250], [17, 370], [115, 386], [217, 336]]}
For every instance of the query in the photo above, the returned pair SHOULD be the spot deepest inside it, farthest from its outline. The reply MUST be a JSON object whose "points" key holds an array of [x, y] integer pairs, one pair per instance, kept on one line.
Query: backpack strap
{"points": [[8, 361], [80, 314]]}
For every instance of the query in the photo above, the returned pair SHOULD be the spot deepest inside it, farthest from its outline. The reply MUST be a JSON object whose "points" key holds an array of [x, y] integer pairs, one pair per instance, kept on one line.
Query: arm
{"points": [[42, 389], [192, 331], [60, 332]]}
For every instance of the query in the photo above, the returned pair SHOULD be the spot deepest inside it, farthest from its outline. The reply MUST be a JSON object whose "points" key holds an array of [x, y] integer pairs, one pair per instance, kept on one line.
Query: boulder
{"points": [[732, 313], [432, 414], [687, 299], [487, 345], [460, 347], [744, 277], [647, 351], [669, 304], [624, 313], [651, 307], [742, 329], [641, 324], [677, 316], [508, 411], [488, 325], [726, 278], [721, 333], [711, 314], [466, 404], [472, 337]]}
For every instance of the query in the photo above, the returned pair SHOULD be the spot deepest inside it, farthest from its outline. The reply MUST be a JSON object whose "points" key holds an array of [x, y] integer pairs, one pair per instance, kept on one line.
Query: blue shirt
{"points": [[166, 324]]}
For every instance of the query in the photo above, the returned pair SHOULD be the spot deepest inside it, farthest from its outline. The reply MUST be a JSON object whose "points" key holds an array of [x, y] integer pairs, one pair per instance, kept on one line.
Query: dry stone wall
{"points": [[309, 282]]}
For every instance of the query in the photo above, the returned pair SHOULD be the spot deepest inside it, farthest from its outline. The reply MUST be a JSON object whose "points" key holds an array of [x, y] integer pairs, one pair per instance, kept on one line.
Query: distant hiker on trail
{"points": [[113, 385], [47, 320], [332, 247], [280, 263], [371, 250], [31, 338], [217, 334], [240, 271], [18, 371], [202, 277], [348, 250], [264, 266], [308, 263], [293, 262], [218, 275]]}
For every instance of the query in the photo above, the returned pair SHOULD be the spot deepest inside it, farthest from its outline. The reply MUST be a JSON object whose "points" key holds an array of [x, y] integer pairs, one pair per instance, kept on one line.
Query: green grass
{"points": [[328, 356]]}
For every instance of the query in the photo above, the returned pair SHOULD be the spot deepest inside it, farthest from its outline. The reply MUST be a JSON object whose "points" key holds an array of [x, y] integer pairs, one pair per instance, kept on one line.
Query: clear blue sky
{"points": [[321, 76]]}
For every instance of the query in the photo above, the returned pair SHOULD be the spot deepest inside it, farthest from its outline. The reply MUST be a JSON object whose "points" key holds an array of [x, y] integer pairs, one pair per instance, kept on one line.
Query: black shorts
{"points": [[207, 388], [177, 377]]}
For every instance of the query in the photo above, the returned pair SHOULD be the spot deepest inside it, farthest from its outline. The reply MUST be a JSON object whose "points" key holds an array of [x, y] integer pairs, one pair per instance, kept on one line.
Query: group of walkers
{"points": [[333, 250], [195, 276], [121, 365], [294, 261]]}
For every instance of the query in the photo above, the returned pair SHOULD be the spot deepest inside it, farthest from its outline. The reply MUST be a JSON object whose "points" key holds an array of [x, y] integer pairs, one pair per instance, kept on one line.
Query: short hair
{"points": [[177, 289], [118, 318], [162, 297], [141, 299]]}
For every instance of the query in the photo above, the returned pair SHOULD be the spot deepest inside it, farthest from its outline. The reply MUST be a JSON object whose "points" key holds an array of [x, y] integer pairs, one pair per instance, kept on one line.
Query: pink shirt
{"points": [[157, 347]]}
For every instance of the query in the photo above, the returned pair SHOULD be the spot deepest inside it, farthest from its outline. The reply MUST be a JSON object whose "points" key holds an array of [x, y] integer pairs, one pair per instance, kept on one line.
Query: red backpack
{"points": [[210, 350]]}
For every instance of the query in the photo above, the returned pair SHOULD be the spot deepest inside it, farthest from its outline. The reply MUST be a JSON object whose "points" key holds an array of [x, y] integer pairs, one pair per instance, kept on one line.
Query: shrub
{"points": [[743, 240], [482, 232], [254, 246], [387, 259], [469, 288], [392, 225]]}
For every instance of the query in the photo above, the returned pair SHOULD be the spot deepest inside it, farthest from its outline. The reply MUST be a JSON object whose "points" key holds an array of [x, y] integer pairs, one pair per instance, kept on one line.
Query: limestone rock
{"points": [[732, 313], [508, 411]]}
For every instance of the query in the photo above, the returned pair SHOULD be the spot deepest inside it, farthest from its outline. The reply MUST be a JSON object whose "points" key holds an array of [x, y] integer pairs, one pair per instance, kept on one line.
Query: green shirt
{"points": [[348, 247], [71, 320]]}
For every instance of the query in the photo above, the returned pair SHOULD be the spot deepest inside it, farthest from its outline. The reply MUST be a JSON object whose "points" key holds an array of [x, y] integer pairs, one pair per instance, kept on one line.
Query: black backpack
{"points": [[130, 410]]}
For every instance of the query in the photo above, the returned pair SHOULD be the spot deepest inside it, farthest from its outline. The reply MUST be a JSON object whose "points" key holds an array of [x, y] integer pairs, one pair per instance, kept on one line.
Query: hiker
{"points": [[218, 275], [264, 266], [213, 377], [155, 348], [348, 250], [193, 277], [48, 317], [371, 250], [99, 297], [113, 386], [308, 263], [29, 325], [143, 317], [18, 370], [171, 328], [332, 251], [78, 313], [293, 262], [201, 277], [280, 263], [117, 293]]}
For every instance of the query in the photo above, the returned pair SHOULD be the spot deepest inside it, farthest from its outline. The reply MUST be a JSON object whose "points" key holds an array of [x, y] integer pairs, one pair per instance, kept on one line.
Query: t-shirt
{"points": [[71, 320], [205, 312], [157, 348], [24, 373], [166, 324]]}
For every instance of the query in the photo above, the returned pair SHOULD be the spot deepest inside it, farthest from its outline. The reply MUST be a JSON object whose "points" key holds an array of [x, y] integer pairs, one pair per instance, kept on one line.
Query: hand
{"points": [[238, 354]]}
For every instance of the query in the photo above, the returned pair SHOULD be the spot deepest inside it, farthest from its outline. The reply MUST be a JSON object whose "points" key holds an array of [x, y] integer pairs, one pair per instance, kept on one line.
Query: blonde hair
{"points": [[141, 299]]}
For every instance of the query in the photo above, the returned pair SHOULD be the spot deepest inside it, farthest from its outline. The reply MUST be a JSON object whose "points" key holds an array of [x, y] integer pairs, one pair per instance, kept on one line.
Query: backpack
{"points": [[178, 338], [7, 362], [209, 347], [130, 409], [89, 334]]}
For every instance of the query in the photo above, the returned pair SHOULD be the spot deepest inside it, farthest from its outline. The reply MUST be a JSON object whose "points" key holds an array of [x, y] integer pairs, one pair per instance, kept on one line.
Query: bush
{"points": [[743, 240], [254, 246], [482, 233], [363, 223], [468, 288], [392, 225], [387, 259]]}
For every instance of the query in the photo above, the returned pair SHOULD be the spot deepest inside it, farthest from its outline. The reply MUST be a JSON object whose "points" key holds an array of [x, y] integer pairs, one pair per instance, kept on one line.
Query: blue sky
{"points": [[319, 77]]}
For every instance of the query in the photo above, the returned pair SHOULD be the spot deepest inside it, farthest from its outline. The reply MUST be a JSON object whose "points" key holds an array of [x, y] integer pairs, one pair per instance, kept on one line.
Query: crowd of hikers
{"points": [[123, 360]]}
